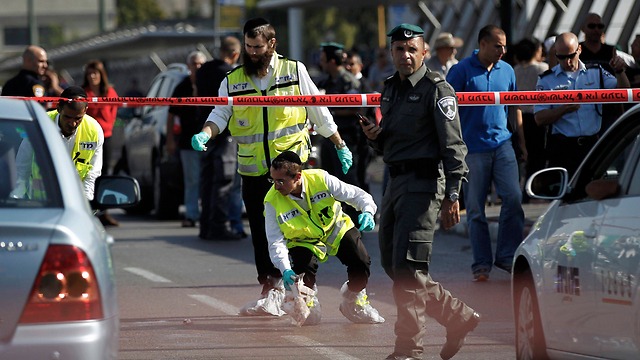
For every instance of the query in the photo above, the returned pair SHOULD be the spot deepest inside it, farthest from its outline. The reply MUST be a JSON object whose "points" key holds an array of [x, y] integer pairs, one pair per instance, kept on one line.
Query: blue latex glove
{"points": [[346, 159], [288, 278], [198, 140], [366, 221]]}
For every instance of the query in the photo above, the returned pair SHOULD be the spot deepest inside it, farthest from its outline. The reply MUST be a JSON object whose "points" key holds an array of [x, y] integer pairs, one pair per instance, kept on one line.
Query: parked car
{"points": [[576, 275], [56, 272], [143, 157]]}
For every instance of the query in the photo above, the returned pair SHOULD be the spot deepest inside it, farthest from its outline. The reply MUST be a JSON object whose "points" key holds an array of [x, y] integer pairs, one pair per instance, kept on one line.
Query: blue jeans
{"points": [[501, 167], [191, 174]]}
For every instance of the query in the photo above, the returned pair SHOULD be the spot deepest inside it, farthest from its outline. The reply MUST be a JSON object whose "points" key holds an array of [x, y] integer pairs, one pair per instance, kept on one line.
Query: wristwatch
{"points": [[341, 145], [453, 197]]}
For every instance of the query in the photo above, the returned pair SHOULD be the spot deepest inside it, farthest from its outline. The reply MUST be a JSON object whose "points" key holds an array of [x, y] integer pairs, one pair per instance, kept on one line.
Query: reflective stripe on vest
{"points": [[280, 128], [321, 229], [86, 143]]}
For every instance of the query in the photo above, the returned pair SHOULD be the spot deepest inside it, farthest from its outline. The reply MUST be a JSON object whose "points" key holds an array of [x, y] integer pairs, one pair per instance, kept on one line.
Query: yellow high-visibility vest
{"points": [[265, 132], [322, 227]]}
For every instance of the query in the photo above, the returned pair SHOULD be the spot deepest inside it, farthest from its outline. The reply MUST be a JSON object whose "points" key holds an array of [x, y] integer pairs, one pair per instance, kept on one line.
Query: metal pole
{"points": [[33, 24], [102, 16]]}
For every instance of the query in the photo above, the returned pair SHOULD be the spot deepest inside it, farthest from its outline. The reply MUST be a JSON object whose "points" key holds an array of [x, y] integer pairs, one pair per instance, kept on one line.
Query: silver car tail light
{"points": [[65, 289]]}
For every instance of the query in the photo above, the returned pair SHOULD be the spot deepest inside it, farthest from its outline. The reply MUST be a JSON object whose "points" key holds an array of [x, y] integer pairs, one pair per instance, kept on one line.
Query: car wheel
{"points": [[530, 344]]}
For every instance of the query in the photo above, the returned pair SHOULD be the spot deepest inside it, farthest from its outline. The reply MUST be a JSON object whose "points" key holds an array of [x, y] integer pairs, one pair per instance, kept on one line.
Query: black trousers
{"points": [[568, 152], [215, 186], [254, 189], [351, 253]]}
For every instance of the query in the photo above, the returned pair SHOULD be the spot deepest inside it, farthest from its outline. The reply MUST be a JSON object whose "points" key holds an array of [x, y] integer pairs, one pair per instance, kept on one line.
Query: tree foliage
{"points": [[137, 12]]}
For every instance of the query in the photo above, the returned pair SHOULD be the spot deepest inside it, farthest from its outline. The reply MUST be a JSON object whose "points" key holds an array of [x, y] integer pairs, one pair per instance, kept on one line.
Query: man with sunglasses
{"points": [[304, 220], [596, 51], [574, 127]]}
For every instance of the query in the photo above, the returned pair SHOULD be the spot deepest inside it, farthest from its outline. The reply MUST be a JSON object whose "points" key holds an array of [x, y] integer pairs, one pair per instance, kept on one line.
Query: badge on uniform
{"points": [[447, 106]]}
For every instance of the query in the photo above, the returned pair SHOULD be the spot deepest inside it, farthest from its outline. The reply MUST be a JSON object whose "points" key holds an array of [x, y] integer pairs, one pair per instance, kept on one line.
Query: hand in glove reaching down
{"points": [[346, 158], [199, 140], [367, 223], [288, 278]]}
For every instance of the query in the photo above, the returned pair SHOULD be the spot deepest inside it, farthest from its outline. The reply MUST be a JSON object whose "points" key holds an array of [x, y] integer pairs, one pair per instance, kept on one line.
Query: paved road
{"points": [[179, 297]]}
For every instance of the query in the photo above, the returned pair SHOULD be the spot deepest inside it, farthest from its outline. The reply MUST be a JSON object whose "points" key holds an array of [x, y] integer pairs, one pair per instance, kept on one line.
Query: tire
{"points": [[530, 344]]}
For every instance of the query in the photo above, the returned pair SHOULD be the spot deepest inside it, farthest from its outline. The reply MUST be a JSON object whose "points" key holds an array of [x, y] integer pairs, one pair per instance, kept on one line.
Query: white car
{"points": [[57, 288], [575, 276]]}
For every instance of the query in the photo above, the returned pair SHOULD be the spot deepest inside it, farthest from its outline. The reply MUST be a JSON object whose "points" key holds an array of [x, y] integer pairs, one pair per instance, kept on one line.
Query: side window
{"points": [[154, 90], [607, 161]]}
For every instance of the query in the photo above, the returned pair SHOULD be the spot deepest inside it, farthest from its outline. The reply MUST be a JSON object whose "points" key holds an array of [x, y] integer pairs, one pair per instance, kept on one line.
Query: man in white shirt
{"points": [[264, 132], [81, 134], [304, 220]]}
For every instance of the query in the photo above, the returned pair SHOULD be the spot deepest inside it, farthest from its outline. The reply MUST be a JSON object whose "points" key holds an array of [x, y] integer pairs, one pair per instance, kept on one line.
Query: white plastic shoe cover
{"points": [[269, 304], [302, 304], [356, 307]]}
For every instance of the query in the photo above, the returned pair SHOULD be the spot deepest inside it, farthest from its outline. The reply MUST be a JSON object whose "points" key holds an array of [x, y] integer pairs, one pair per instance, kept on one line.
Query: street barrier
{"points": [[372, 100]]}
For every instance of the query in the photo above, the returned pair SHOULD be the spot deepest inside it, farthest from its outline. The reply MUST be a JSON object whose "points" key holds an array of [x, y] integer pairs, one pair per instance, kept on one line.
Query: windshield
{"points": [[27, 178]]}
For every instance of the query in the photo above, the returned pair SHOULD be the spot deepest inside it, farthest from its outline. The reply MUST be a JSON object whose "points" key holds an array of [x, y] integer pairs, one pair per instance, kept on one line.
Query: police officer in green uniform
{"points": [[420, 140]]}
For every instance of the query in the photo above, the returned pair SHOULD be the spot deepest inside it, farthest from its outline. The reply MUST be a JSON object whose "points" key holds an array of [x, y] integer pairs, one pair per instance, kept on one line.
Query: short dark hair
{"points": [[526, 49], [487, 32], [289, 161], [73, 93], [333, 53]]}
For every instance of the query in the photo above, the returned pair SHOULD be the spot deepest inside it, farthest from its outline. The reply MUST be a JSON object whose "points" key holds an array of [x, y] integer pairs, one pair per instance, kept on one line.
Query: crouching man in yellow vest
{"points": [[304, 220], [83, 137]]}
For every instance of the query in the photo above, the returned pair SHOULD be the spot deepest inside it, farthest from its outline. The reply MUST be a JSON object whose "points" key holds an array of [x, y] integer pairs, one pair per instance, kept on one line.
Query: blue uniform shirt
{"points": [[484, 128], [587, 120]]}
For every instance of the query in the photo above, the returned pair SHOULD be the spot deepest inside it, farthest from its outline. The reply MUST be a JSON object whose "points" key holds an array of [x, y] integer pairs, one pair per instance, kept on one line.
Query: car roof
{"points": [[14, 109]]}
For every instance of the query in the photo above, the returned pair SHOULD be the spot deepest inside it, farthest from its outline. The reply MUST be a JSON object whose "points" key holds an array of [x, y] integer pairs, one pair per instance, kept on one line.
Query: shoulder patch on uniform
{"points": [[447, 106], [548, 72], [434, 76], [38, 90]]}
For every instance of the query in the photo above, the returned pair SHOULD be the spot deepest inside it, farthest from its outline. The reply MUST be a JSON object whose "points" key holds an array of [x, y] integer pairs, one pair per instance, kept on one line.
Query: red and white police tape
{"points": [[372, 100]]}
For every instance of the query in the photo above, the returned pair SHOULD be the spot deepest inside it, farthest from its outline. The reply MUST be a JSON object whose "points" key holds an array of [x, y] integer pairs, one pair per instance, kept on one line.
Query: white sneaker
{"points": [[356, 307]]}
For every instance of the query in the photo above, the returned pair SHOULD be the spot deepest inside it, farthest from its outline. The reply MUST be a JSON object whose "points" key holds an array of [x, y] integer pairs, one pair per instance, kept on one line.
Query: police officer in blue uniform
{"points": [[421, 141], [574, 127]]}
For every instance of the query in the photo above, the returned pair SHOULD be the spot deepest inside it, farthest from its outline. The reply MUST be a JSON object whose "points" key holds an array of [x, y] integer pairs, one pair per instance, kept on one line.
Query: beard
{"points": [[259, 64]]}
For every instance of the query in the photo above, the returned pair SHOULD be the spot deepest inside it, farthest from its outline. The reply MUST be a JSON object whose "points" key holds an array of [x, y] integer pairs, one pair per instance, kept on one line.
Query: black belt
{"points": [[423, 168], [577, 140]]}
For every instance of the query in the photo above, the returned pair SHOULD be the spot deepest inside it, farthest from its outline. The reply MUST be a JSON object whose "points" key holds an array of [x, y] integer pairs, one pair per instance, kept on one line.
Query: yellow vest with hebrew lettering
{"points": [[322, 227], [265, 132]]}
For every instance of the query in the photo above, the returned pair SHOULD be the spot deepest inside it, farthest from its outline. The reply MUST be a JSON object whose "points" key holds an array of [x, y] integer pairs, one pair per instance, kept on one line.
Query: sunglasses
{"points": [[593, 26], [568, 56]]}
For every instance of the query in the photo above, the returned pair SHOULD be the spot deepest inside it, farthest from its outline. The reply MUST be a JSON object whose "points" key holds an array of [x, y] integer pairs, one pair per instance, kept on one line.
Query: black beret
{"points": [[331, 46], [405, 32], [254, 23], [73, 92]]}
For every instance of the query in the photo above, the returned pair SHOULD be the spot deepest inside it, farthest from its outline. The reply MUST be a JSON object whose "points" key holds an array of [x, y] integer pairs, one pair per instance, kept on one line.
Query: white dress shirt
{"points": [[341, 191], [320, 116]]}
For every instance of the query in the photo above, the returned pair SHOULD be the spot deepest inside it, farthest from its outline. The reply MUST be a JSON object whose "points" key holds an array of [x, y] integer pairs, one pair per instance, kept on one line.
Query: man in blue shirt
{"points": [[574, 127], [491, 157]]}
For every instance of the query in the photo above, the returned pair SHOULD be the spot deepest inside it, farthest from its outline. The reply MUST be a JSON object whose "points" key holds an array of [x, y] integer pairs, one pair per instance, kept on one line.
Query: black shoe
{"points": [[504, 267], [188, 223], [395, 356], [455, 338], [224, 235], [480, 276]]}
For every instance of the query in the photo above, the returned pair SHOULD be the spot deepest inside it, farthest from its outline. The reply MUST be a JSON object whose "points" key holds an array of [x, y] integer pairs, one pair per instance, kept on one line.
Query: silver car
{"points": [[576, 275], [57, 289]]}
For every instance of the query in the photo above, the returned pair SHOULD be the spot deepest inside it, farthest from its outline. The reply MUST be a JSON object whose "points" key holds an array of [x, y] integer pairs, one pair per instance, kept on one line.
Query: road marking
{"points": [[147, 275], [319, 348], [216, 304]]}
